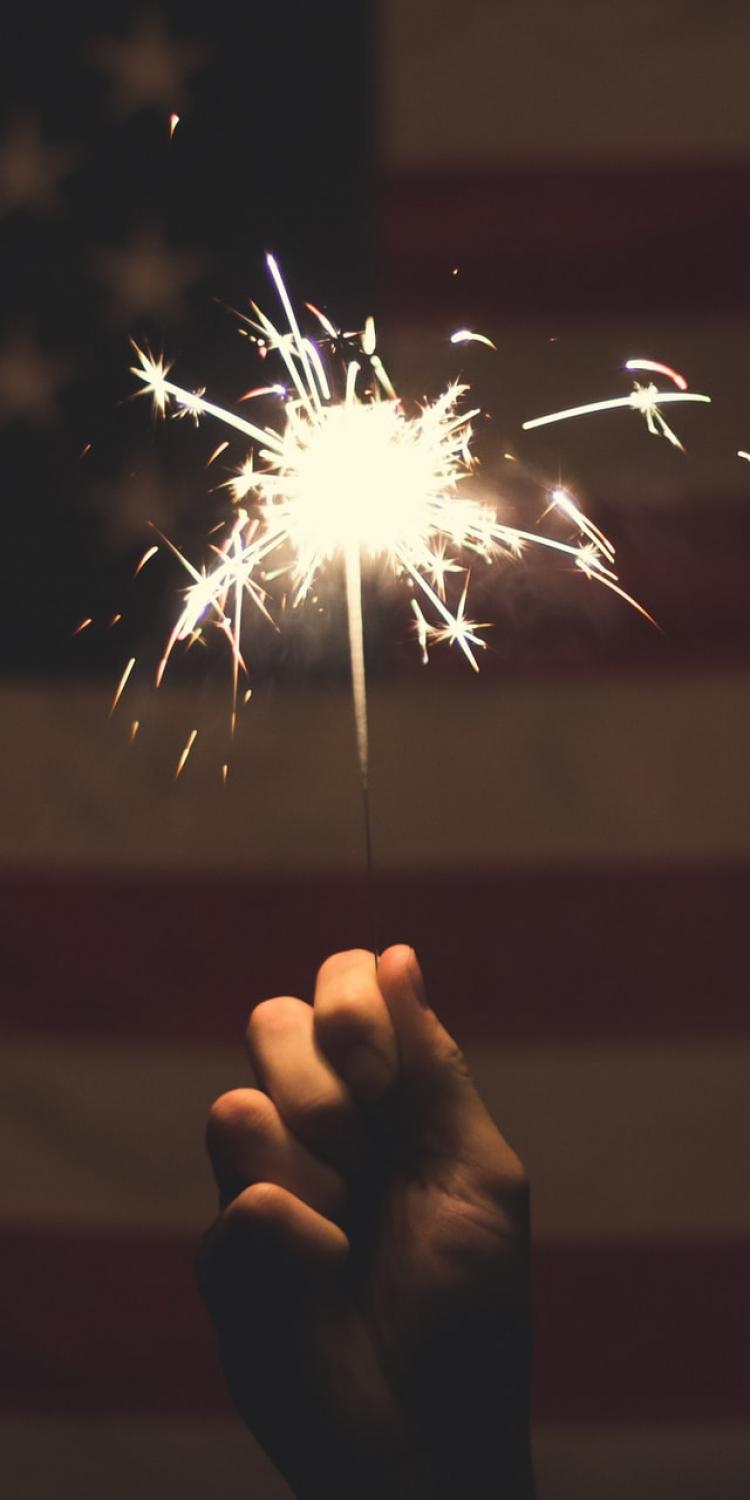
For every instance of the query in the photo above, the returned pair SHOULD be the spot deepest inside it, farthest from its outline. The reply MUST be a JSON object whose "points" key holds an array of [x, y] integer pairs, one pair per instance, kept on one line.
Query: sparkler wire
{"points": [[353, 576]]}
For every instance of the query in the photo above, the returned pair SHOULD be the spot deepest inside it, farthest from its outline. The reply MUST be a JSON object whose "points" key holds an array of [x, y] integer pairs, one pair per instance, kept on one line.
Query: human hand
{"points": [[368, 1272]]}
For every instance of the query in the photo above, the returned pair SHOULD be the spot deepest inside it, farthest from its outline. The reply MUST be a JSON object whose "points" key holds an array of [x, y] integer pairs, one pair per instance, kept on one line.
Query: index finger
{"points": [[353, 1028]]}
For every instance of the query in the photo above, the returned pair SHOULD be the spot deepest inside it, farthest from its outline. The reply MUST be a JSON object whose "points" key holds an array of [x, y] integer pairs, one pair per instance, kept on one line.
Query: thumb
{"points": [[443, 1108]]}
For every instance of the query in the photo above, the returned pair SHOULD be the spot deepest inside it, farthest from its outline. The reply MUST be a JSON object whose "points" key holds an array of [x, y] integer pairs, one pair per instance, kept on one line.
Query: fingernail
{"points": [[416, 980], [367, 1073]]}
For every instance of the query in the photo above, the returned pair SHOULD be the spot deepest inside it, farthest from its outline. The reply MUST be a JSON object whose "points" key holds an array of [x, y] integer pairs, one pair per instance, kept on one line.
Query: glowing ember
{"points": [[465, 336], [148, 554], [655, 367], [119, 690], [191, 739]]}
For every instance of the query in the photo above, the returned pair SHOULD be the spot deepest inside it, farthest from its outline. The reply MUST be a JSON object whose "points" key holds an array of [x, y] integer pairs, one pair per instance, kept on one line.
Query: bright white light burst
{"points": [[347, 474]]}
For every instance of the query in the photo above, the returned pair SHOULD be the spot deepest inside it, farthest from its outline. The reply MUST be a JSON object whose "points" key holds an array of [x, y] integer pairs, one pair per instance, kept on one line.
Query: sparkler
{"points": [[647, 399], [348, 475]]}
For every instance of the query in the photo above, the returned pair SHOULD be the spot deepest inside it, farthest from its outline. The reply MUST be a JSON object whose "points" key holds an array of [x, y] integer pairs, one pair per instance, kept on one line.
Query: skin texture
{"points": [[368, 1274]]}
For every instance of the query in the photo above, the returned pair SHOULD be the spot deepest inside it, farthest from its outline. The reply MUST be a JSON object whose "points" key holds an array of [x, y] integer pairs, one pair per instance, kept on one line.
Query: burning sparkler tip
{"points": [[350, 474]]}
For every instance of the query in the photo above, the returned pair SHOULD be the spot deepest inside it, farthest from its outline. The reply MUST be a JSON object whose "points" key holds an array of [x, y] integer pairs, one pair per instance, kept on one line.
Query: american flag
{"points": [[565, 840]]}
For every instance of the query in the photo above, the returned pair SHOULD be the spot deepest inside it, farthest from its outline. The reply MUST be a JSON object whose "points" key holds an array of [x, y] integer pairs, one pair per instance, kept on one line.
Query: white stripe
{"points": [[627, 1141], [83, 1461], [643, 1463], [465, 775], [543, 82], [87, 1460], [621, 1141]]}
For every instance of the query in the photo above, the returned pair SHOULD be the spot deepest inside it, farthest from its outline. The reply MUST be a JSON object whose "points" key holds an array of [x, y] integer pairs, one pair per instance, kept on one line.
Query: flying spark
{"points": [[465, 336], [647, 399], [147, 556], [219, 449], [655, 367], [191, 739], [120, 689], [346, 475]]}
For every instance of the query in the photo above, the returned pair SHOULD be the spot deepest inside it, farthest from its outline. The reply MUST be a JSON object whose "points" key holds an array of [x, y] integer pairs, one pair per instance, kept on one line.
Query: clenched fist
{"points": [[368, 1271]]}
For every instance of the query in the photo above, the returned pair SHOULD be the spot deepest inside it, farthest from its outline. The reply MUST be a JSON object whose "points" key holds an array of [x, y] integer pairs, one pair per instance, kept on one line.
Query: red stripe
{"points": [[537, 956], [643, 1333], [562, 240], [102, 1323]]}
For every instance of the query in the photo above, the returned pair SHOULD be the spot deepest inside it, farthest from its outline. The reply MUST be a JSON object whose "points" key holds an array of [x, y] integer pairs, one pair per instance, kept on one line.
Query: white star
{"points": [[644, 398], [147, 277], [149, 67], [460, 632], [31, 167], [29, 381], [441, 564]]}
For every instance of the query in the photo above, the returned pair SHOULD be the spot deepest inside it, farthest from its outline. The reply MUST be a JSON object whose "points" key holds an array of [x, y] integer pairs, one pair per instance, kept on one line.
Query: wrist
{"points": [[429, 1473], [489, 1474]]}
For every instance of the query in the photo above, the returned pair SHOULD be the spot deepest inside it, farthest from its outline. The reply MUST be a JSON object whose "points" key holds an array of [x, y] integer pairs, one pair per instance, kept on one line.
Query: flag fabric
{"points": [[565, 838]]}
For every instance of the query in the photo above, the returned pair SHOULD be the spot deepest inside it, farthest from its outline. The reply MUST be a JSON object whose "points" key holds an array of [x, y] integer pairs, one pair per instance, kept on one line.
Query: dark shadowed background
{"points": [[565, 838]]}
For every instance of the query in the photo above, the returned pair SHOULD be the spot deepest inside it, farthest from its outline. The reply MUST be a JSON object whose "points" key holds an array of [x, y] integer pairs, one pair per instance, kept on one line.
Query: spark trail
{"points": [[344, 476]]}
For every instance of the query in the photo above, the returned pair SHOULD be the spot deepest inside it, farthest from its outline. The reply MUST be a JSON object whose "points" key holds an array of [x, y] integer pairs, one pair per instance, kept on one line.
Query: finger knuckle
{"points": [[344, 1017], [337, 964], [263, 1202], [271, 1018], [319, 1116], [240, 1112], [223, 1118]]}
